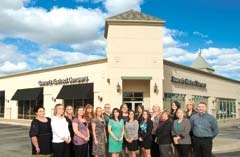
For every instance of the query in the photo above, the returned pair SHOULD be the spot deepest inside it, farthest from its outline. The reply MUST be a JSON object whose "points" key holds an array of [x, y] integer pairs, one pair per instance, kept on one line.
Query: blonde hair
{"points": [[181, 110], [76, 111], [190, 102], [95, 113], [55, 109]]}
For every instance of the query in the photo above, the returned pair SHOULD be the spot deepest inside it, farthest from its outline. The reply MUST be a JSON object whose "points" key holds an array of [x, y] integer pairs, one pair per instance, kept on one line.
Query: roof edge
{"points": [[170, 63], [85, 63]]}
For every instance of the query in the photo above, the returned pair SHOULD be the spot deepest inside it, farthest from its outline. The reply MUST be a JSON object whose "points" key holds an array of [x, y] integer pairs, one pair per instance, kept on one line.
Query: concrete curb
{"points": [[16, 122], [223, 145]]}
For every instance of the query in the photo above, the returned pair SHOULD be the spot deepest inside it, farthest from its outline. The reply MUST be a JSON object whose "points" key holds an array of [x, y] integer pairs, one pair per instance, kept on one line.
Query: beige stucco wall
{"points": [[216, 87], [96, 74], [135, 51]]}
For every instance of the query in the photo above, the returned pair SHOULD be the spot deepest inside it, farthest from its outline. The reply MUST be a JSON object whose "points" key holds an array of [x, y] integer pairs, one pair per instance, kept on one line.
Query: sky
{"points": [[38, 34]]}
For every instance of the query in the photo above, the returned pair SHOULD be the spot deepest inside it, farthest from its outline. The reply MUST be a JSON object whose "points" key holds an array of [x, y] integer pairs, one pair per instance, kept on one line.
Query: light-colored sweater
{"points": [[59, 129], [131, 129]]}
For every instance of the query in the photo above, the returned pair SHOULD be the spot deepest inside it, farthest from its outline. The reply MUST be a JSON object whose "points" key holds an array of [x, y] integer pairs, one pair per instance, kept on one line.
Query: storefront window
{"points": [[133, 99], [170, 97], [25, 108], [226, 108], [197, 99], [2, 104], [2, 108]]}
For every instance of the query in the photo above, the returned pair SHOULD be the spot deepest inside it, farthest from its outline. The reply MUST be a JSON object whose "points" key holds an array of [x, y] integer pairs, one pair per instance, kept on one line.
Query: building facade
{"points": [[133, 72]]}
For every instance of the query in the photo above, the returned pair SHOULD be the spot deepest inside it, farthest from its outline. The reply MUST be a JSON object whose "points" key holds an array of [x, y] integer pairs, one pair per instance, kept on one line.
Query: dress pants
{"points": [[202, 146]]}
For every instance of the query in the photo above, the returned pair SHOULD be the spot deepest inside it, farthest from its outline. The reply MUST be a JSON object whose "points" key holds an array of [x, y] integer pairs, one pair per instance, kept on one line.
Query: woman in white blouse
{"points": [[61, 134]]}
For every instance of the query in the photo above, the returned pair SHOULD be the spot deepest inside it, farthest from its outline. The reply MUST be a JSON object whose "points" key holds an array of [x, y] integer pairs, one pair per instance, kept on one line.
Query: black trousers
{"points": [[154, 147], [202, 146], [165, 150], [81, 150], [183, 150], [61, 150]]}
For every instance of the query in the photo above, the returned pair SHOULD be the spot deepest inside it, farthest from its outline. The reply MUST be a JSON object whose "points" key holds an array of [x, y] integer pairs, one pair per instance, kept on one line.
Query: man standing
{"points": [[106, 116], [205, 129], [107, 112]]}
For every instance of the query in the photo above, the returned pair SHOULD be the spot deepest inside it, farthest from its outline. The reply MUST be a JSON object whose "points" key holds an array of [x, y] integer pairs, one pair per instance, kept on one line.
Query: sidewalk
{"points": [[227, 141], [22, 122], [224, 144]]}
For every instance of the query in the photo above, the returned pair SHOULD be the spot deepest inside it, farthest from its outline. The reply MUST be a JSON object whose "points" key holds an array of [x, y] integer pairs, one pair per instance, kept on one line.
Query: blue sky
{"points": [[36, 34]]}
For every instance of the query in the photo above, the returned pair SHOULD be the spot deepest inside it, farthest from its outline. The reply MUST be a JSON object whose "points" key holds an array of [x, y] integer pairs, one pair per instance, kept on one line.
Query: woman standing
{"points": [[145, 134], [99, 134], [41, 133], [89, 115], [174, 107], [164, 137], [81, 134], [139, 114], [131, 134], [69, 117], [61, 134], [155, 119], [116, 131], [124, 116], [180, 132], [190, 109]]}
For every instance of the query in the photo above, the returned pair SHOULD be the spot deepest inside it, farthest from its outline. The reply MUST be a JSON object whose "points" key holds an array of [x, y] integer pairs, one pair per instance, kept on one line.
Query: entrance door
{"points": [[133, 99], [132, 105]]}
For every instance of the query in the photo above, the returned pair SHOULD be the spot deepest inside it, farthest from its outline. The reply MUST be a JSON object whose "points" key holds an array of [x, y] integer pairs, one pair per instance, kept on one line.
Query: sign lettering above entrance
{"points": [[188, 82], [68, 80]]}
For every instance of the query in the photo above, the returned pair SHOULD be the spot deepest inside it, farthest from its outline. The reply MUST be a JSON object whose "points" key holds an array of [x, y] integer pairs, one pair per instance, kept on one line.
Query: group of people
{"points": [[105, 132]]}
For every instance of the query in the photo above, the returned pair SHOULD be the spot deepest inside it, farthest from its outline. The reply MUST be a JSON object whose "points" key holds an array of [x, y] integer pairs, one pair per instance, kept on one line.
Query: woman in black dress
{"points": [[145, 134], [41, 133]]}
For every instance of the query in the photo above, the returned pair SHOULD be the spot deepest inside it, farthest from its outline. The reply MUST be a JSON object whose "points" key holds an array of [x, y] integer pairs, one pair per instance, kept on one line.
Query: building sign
{"points": [[188, 82], [68, 80]]}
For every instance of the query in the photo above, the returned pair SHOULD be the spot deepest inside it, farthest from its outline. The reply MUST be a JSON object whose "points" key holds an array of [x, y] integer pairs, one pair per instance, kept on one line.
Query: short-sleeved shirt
{"points": [[83, 128], [43, 132]]}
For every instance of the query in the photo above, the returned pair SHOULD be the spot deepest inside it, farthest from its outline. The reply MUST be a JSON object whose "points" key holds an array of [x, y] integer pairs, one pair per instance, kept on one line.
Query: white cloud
{"points": [[11, 61], [9, 4], [200, 34], [12, 67], [208, 42], [178, 55], [82, 30], [97, 46], [225, 61], [54, 57], [60, 25], [81, 0], [117, 6], [169, 38]]}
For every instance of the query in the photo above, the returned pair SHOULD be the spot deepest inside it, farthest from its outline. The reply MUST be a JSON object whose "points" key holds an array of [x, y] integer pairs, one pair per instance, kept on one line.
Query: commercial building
{"points": [[133, 72]]}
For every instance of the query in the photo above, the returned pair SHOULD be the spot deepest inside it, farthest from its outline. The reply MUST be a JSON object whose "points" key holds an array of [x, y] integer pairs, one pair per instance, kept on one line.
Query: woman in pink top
{"points": [[81, 134]]}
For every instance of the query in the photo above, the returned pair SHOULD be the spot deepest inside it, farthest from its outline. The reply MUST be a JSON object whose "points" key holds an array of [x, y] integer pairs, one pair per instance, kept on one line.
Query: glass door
{"points": [[132, 105]]}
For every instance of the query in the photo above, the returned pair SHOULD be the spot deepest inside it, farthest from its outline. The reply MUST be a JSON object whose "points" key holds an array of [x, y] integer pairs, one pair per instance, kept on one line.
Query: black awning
{"points": [[79, 91], [28, 94], [2, 94]]}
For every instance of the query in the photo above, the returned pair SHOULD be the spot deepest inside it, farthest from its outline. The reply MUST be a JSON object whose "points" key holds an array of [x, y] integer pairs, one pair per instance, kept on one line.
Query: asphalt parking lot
{"points": [[16, 143], [230, 133]]}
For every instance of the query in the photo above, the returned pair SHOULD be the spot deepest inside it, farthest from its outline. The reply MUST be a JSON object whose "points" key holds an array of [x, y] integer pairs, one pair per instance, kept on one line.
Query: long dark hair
{"points": [[131, 111], [149, 116], [141, 106], [121, 107], [177, 104], [112, 115]]}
